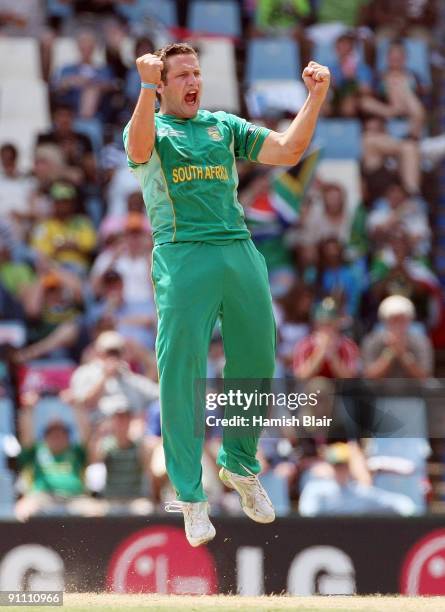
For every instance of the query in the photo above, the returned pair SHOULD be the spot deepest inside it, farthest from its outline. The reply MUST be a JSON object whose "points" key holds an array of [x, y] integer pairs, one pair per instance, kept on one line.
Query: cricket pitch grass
{"points": [[92, 602]]}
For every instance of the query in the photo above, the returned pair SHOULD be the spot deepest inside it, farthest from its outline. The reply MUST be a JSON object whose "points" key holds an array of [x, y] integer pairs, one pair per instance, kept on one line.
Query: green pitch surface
{"points": [[87, 602]]}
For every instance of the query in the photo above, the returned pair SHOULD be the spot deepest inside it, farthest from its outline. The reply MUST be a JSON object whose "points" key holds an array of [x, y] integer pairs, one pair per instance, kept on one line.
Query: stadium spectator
{"points": [[73, 144], [130, 259], [399, 18], [398, 92], [16, 276], [338, 278], [326, 351], [380, 151], [326, 217], [343, 495], [126, 461], [351, 77], [281, 17], [82, 86], [53, 307], [15, 189], [292, 314], [136, 321], [54, 465], [66, 236], [109, 375], [143, 45], [397, 211], [394, 269], [397, 350]]}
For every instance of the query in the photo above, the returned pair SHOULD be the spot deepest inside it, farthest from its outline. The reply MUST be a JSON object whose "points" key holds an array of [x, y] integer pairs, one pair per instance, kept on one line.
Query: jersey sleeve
{"points": [[133, 165], [248, 138]]}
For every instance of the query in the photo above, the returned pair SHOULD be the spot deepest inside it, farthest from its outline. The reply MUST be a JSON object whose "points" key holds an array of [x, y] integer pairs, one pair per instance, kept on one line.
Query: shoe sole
{"points": [[196, 543], [226, 480]]}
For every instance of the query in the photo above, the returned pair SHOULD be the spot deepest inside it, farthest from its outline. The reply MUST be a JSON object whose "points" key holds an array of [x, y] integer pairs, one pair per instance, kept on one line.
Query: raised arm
{"points": [[286, 148], [141, 133]]}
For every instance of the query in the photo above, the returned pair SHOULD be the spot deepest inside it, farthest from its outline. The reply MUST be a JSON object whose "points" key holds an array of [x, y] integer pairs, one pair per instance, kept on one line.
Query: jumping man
{"points": [[205, 265]]}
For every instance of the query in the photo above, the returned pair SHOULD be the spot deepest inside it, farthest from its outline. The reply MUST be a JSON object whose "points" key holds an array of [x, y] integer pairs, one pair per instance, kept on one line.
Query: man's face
{"points": [[398, 325], [57, 439], [181, 91], [396, 58]]}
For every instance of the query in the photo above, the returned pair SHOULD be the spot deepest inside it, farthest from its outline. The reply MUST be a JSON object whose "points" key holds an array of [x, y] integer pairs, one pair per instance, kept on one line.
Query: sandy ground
{"points": [[89, 602]]}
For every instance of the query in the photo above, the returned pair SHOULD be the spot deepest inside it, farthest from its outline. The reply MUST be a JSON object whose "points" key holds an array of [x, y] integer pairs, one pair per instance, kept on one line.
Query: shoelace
{"points": [[174, 506], [253, 479], [187, 510]]}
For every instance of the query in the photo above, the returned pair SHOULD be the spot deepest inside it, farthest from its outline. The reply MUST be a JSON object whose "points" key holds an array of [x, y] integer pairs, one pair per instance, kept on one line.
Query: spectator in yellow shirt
{"points": [[66, 237]]}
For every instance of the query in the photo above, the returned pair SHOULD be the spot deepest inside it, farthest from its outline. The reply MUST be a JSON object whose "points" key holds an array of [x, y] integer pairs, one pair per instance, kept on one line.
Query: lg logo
{"points": [[31, 567], [321, 570]]}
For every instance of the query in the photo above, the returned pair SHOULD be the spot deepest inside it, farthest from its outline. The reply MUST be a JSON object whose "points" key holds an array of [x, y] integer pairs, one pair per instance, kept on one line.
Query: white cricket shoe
{"points": [[254, 500], [198, 528]]}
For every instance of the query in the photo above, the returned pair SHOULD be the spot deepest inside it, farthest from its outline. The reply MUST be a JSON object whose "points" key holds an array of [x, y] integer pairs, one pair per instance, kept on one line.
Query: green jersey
{"points": [[190, 182]]}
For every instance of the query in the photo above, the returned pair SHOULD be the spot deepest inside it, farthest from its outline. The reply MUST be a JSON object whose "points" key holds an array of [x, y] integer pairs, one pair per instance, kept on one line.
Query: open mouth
{"points": [[191, 97]]}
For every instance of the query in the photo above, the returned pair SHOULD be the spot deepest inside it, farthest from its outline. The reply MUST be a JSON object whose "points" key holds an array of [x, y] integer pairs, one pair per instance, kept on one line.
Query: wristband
{"points": [[148, 86]]}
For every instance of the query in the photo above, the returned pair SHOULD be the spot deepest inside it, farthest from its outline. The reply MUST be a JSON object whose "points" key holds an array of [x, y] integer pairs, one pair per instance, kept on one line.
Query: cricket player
{"points": [[205, 265]]}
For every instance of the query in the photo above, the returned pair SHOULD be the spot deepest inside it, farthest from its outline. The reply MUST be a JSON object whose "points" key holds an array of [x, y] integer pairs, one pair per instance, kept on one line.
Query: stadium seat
{"points": [[217, 59], [278, 491], [6, 416], [20, 59], [65, 52], [215, 17], [163, 11], [59, 9], [49, 408], [340, 138], [398, 128], [7, 496], [417, 57], [93, 128], [272, 59], [32, 108]]}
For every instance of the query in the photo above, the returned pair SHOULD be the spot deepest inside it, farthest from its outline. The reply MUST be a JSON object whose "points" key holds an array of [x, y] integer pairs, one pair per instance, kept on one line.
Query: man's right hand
{"points": [[150, 68]]}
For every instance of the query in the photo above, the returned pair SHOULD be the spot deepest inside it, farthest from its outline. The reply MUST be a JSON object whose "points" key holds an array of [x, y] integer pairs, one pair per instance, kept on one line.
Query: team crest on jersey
{"points": [[214, 133]]}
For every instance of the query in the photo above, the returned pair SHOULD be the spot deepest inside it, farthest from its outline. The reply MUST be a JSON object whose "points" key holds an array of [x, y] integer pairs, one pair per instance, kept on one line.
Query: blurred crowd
{"points": [[348, 245]]}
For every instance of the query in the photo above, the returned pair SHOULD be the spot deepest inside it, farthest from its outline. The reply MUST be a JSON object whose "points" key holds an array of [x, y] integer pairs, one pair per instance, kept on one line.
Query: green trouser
{"points": [[195, 283]]}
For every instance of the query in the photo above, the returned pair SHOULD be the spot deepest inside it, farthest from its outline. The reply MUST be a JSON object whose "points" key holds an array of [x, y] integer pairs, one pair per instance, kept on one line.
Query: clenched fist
{"points": [[150, 68], [317, 78]]}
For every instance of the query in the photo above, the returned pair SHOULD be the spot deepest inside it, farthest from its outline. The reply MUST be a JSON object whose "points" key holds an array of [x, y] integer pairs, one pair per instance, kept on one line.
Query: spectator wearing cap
{"points": [[397, 349], [109, 375], [131, 259], [342, 495], [326, 351], [54, 466], [53, 304], [126, 459], [66, 236], [82, 86]]}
